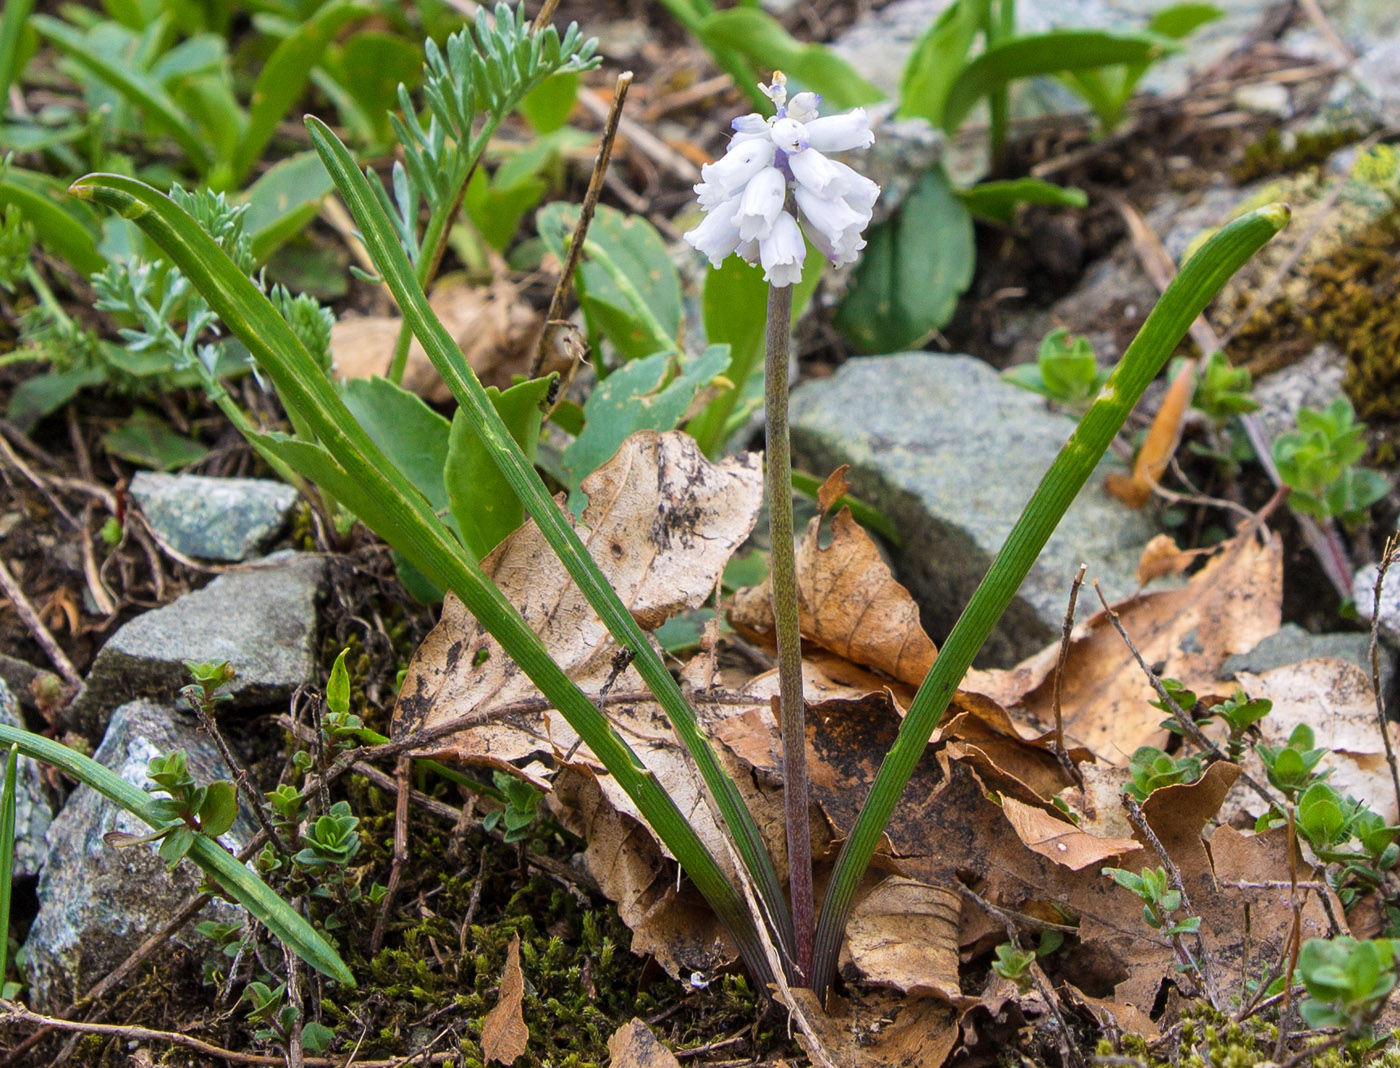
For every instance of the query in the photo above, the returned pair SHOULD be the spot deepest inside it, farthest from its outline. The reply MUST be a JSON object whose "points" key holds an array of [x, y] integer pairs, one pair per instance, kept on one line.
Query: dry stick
{"points": [[1316, 886], [783, 563], [101, 596], [1295, 934], [1392, 547], [1203, 967], [1042, 982], [296, 1055], [381, 922], [585, 217], [240, 777], [1308, 1052], [1061, 753], [545, 16], [1187, 724], [40, 633], [36, 480], [12, 1012]]}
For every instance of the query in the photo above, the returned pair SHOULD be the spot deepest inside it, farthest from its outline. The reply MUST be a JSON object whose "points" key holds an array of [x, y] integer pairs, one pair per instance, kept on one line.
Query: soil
{"points": [[435, 968]]}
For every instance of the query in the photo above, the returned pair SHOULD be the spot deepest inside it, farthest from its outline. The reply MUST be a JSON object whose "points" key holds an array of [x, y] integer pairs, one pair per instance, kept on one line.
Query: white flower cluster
{"points": [[745, 194]]}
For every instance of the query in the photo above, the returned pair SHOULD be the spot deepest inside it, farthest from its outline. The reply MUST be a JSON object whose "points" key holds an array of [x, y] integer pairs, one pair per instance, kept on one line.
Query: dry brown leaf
{"points": [[1227, 607], [661, 523], [1160, 443], [904, 933], [493, 325], [848, 603], [1162, 557], [1110, 1014], [836, 486], [922, 1034], [503, 1032], [1060, 840], [1336, 700], [634, 1046]]}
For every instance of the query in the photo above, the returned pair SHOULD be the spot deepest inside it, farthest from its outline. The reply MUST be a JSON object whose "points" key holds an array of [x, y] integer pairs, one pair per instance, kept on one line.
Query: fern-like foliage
{"points": [[468, 89]]}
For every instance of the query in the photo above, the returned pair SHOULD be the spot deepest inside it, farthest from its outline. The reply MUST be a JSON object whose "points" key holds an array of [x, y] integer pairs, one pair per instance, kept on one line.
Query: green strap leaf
{"points": [[1192, 289]]}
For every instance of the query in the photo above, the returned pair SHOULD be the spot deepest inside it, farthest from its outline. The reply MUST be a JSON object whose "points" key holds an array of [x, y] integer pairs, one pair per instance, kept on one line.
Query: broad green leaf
{"points": [[627, 286], [411, 435], [548, 106], [997, 201], [220, 808], [284, 200], [285, 923], [148, 441], [284, 78], [937, 60], [338, 686], [1029, 55], [482, 502], [761, 39], [647, 394], [136, 87], [495, 210], [370, 67], [735, 310], [60, 225], [44, 394], [915, 266], [1181, 20]]}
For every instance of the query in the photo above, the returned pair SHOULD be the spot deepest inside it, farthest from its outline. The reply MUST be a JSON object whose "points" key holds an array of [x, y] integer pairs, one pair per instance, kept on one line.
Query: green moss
{"points": [[1276, 153]]}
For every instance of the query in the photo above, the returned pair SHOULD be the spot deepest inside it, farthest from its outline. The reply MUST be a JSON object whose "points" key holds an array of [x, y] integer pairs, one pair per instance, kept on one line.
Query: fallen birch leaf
{"points": [[504, 1035], [1060, 840], [1159, 445], [905, 932], [1227, 607], [836, 486], [493, 325], [883, 1031], [1161, 557], [634, 1046], [848, 603]]}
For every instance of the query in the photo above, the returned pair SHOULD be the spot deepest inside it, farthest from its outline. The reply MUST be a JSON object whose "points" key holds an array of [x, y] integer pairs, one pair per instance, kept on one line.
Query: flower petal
{"points": [[718, 234], [789, 135], [840, 133], [732, 171], [822, 176], [803, 107], [782, 252]]}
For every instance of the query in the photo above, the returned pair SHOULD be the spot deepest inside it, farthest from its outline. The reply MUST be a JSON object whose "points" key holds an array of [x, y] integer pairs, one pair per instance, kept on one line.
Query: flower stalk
{"points": [[783, 566]]}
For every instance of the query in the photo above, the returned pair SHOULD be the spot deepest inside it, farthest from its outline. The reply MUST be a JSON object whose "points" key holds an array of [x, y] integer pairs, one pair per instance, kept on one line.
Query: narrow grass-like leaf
{"points": [[1192, 289], [284, 77], [7, 853], [288, 925], [378, 233], [1029, 55], [398, 513], [12, 22], [997, 201], [57, 229], [143, 92]]}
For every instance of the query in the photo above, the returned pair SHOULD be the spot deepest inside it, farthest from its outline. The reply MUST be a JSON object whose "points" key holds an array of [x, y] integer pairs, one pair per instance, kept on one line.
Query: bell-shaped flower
{"points": [[775, 170]]}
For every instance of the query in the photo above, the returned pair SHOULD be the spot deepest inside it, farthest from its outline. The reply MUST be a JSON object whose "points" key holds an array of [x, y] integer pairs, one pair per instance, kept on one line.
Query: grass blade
{"points": [[7, 854], [12, 21], [1200, 279], [388, 255], [398, 513], [288, 925]]}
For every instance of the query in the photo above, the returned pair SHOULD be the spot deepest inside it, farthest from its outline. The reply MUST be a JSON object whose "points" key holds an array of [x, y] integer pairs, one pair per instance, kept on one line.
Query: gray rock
{"points": [[1363, 592], [1292, 644], [1313, 382], [952, 454], [96, 903], [261, 619], [32, 812], [214, 518]]}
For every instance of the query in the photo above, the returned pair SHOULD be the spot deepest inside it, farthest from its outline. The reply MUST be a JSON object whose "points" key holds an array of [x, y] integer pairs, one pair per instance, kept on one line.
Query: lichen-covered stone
{"points": [[214, 518], [261, 619], [952, 454], [1292, 644], [97, 904]]}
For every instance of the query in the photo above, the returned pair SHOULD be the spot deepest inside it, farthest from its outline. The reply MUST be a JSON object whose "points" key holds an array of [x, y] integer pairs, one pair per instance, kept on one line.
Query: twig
{"points": [[12, 1012], [1042, 984], [585, 217], [1061, 753], [1308, 1052], [1295, 934], [1188, 725], [381, 922], [40, 633], [37, 481], [1202, 965], [1392, 549], [296, 1055], [101, 596], [240, 777]]}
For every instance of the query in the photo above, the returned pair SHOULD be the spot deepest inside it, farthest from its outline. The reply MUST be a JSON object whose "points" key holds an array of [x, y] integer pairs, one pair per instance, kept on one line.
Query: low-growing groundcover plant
{"points": [[775, 173]]}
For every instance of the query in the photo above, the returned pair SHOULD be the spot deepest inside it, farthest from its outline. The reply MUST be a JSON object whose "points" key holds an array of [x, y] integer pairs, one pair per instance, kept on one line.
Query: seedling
{"points": [[1290, 768], [190, 809], [1065, 371], [1317, 462], [1347, 981], [1014, 964], [1159, 901], [1151, 769], [522, 807]]}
